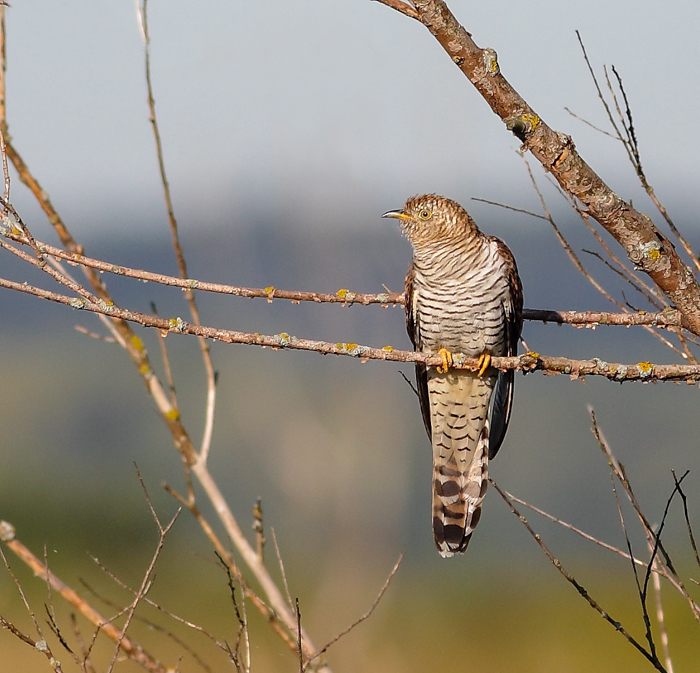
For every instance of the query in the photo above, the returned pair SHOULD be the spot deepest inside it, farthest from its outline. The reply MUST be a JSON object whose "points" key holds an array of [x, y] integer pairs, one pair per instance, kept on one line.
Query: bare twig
{"points": [[581, 590], [641, 591], [226, 557], [146, 582], [283, 572], [151, 624], [691, 537], [653, 539], [660, 619], [361, 619], [132, 649], [578, 531], [400, 6], [593, 126]]}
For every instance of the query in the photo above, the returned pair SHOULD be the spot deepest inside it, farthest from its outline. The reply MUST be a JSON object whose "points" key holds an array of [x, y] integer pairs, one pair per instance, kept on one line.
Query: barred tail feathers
{"points": [[459, 404]]}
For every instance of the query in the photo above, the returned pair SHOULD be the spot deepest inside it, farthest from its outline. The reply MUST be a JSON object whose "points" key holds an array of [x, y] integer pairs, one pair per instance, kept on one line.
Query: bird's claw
{"points": [[484, 362], [446, 360]]}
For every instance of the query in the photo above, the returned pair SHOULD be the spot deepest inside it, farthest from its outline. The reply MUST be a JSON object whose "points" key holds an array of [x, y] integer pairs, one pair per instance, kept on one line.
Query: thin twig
{"points": [[146, 582], [641, 591], [365, 616], [660, 619], [691, 537], [581, 590], [667, 568], [282, 570], [179, 254], [132, 649], [151, 624], [400, 6], [578, 531], [593, 126]]}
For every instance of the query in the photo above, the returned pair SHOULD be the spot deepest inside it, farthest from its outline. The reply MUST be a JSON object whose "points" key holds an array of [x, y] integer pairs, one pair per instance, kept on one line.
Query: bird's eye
{"points": [[425, 214]]}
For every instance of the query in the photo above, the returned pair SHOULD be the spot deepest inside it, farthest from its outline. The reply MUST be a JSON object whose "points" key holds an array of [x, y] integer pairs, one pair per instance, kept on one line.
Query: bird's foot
{"points": [[484, 362], [446, 360]]}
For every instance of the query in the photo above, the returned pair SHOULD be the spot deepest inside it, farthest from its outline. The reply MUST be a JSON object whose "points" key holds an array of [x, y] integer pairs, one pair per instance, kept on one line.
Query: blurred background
{"points": [[288, 128]]}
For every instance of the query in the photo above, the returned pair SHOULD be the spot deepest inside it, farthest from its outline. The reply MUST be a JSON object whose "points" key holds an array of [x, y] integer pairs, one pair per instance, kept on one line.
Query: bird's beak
{"points": [[398, 214]]}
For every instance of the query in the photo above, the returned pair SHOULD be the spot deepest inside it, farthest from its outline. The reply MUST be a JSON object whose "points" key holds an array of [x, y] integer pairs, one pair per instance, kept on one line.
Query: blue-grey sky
{"points": [[331, 110]]}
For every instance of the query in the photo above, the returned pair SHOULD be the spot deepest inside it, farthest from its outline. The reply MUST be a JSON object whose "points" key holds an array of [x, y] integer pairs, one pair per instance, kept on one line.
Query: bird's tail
{"points": [[456, 511], [460, 462]]}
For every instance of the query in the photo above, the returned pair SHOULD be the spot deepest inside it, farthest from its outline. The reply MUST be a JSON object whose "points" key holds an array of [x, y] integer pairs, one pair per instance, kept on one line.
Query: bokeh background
{"points": [[288, 128]]}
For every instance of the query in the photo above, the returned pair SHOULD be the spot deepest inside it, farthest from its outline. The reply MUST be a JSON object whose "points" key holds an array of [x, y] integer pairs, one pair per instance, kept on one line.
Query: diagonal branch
{"points": [[126, 644], [650, 657], [646, 247]]}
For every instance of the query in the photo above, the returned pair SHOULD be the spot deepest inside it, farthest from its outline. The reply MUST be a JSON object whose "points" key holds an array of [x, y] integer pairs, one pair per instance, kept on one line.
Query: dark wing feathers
{"points": [[413, 330], [502, 398]]}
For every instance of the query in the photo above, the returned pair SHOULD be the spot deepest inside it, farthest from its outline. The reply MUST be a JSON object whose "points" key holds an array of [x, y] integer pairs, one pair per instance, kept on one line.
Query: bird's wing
{"points": [[502, 398], [413, 329]]}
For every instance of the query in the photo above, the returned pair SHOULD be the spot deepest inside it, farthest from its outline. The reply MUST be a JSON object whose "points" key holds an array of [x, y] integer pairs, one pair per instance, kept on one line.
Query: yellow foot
{"points": [[484, 362], [446, 360]]}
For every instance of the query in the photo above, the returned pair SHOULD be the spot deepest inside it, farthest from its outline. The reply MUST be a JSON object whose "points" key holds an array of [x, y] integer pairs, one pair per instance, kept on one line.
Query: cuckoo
{"points": [[463, 295]]}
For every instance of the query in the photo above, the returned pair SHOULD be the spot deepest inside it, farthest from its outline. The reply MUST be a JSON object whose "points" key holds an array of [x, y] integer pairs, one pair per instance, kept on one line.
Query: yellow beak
{"points": [[398, 214]]}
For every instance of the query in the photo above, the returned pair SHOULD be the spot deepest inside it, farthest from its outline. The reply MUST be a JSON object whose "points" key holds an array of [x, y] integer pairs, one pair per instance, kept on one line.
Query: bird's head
{"points": [[430, 219]]}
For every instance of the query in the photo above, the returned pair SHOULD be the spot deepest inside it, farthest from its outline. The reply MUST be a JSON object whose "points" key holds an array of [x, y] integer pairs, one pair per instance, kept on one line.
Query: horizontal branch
{"points": [[643, 371], [342, 296], [668, 318]]}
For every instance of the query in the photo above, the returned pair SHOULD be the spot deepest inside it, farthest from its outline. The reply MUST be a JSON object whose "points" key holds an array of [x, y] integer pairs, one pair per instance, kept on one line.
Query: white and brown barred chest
{"points": [[460, 297]]}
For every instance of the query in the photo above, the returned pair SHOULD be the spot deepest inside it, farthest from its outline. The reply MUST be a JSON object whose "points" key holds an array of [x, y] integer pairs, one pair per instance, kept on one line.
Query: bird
{"points": [[463, 295]]}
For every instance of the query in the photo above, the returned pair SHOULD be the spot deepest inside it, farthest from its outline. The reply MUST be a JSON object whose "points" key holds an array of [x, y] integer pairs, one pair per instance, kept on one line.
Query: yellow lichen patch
{"points": [[137, 344], [342, 293], [388, 349], [532, 354], [654, 254], [645, 367], [172, 415], [533, 120], [269, 290]]}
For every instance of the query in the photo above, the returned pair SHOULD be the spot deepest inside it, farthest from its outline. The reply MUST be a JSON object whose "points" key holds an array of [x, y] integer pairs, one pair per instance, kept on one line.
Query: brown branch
{"points": [[121, 329], [667, 318], [226, 558], [642, 371], [645, 246], [179, 253], [578, 531], [653, 540], [581, 590], [343, 296], [361, 619], [131, 648], [400, 7]]}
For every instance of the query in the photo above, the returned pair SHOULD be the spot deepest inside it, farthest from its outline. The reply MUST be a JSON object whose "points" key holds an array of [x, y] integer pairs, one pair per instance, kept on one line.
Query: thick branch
{"points": [[643, 371], [645, 246]]}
